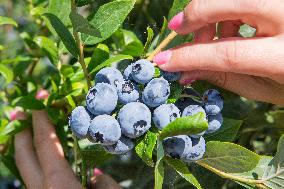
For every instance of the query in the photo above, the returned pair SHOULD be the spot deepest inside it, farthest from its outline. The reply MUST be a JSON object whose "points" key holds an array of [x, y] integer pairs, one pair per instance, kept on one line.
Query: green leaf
{"points": [[63, 33], [258, 172], [185, 125], [228, 131], [247, 31], [13, 127], [159, 167], [7, 73], [183, 171], [176, 90], [145, 146], [10, 163], [7, 20], [274, 173], [93, 154], [111, 60], [164, 31], [29, 102], [49, 47], [108, 19], [56, 7], [178, 6], [101, 54], [80, 24], [131, 44], [228, 157], [150, 36]]}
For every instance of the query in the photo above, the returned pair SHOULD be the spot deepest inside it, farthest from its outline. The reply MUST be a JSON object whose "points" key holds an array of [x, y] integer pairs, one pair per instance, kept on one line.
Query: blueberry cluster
{"points": [[142, 98]]}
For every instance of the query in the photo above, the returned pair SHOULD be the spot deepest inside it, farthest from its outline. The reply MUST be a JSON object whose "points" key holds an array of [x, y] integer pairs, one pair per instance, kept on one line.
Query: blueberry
{"points": [[177, 147], [197, 150], [128, 92], [127, 72], [192, 110], [102, 99], [182, 103], [123, 146], [105, 130], [156, 92], [80, 121], [142, 71], [171, 76], [111, 76], [134, 119], [165, 114], [214, 123], [213, 102]]}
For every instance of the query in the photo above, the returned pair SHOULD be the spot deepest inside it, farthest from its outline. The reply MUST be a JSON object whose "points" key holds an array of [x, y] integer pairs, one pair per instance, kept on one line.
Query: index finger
{"points": [[55, 168], [267, 16]]}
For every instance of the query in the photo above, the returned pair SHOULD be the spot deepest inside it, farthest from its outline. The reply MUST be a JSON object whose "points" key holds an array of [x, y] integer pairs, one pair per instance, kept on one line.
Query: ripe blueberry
{"points": [[156, 92], [213, 102], [165, 114], [102, 99], [128, 92], [111, 76], [177, 147], [171, 76], [105, 130], [134, 119], [80, 121], [214, 123], [127, 72], [142, 71], [197, 150], [123, 146]]}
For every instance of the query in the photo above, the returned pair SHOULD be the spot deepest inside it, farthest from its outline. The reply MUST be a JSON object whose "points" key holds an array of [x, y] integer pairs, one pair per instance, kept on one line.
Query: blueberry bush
{"points": [[88, 63]]}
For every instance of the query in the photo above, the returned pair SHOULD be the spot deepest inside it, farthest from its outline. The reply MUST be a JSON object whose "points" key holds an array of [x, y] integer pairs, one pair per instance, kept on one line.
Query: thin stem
{"points": [[229, 176], [81, 49], [162, 45]]}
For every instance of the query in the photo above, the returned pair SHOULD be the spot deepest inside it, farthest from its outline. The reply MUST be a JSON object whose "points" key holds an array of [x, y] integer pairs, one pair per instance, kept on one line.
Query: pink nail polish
{"points": [[176, 21], [163, 57]]}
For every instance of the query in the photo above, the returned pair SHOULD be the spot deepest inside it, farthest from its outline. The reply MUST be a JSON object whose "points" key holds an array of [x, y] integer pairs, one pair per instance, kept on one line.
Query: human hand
{"points": [[40, 159], [250, 67]]}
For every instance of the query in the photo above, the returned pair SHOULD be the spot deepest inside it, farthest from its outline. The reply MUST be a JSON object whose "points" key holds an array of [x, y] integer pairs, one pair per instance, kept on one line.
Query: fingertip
{"points": [[163, 57], [176, 22]]}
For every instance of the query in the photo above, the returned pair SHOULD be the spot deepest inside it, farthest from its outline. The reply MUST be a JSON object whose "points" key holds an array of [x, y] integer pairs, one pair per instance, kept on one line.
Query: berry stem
{"points": [[81, 49], [162, 45]]}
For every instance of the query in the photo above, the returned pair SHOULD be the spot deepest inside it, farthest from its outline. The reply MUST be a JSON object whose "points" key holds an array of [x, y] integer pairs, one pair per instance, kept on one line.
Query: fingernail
{"points": [[176, 21], [163, 57]]}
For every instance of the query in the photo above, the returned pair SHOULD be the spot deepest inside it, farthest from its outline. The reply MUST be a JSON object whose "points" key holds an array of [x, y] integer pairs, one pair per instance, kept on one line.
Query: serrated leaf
{"points": [[145, 146], [7, 73], [6, 20], [228, 131], [108, 19], [63, 33], [183, 171], [111, 60], [49, 47], [228, 157], [56, 7], [100, 54], [29, 102], [150, 36], [185, 126], [80, 24], [159, 167], [274, 173]]}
